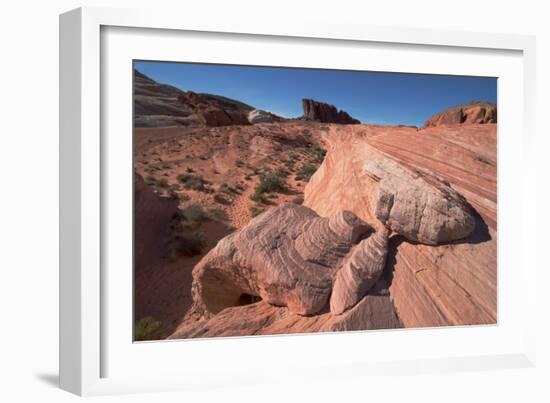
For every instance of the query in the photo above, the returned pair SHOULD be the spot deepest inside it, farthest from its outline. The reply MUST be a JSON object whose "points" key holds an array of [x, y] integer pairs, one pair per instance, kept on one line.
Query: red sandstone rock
{"points": [[450, 284], [479, 112], [286, 256], [321, 112]]}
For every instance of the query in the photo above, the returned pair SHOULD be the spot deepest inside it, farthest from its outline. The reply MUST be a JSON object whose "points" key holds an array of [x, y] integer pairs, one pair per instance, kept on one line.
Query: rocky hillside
{"points": [[320, 112], [159, 105], [472, 113]]}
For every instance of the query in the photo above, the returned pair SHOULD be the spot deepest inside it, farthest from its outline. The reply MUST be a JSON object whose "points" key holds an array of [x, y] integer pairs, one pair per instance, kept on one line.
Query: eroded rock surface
{"points": [[359, 272], [416, 204], [453, 283], [286, 256]]}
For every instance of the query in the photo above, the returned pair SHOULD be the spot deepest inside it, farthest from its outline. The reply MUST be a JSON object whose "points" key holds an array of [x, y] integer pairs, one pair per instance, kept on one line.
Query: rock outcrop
{"points": [[359, 272], [160, 105], [453, 283], [416, 204], [277, 274], [257, 116], [321, 112], [286, 257], [474, 113]]}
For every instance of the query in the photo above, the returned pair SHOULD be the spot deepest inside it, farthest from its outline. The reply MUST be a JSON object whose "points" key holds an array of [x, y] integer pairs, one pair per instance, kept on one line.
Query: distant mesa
{"points": [[473, 113], [321, 112]]}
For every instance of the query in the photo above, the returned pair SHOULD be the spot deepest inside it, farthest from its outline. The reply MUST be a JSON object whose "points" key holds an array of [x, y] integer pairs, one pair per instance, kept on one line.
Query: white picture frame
{"points": [[85, 346]]}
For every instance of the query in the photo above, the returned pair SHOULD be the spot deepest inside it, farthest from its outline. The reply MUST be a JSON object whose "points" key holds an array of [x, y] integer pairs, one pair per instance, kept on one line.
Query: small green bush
{"points": [[148, 329], [193, 214], [306, 172], [162, 183], [270, 181], [194, 182]]}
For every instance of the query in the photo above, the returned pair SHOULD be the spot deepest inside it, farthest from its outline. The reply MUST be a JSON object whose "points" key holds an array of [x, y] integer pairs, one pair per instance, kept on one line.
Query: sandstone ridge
{"points": [[473, 113]]}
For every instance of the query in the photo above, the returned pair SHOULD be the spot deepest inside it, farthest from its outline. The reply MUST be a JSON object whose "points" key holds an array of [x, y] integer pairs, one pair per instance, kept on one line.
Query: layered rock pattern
{"points": [[321, 112], [359, 272], [416, 204], [374, 311], [450, 284], [474, 113], [286, 256]]}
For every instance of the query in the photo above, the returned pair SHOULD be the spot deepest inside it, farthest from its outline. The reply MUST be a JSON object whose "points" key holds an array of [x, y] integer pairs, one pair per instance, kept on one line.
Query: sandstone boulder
{"points": [[286, 257], [321, 112], [416, 204]]}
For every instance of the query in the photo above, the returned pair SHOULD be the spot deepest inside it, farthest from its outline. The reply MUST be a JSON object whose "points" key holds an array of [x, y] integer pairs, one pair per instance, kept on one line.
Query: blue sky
{"points": [[372, 97]]}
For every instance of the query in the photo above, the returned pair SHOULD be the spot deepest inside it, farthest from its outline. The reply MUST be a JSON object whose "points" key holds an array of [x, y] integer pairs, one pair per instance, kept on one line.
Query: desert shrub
{"points": [[162, 183], [240, 187], [239, 163], [193, 214], [298, 200], [148, 329], [293, 156], [255, 211], [189, 170], [225, 188], [270, 181], [306, 172], [194, 182], [258, 197], [247, 177], [218, 214], [220, 198]]}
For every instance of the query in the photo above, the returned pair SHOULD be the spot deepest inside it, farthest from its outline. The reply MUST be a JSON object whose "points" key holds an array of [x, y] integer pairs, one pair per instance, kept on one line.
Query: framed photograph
{"points": [[241, 202]]}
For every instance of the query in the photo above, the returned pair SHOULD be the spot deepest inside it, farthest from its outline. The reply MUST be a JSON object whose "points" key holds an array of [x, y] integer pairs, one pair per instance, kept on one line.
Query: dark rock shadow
{"points": [[391, 260], [481, 232]]}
